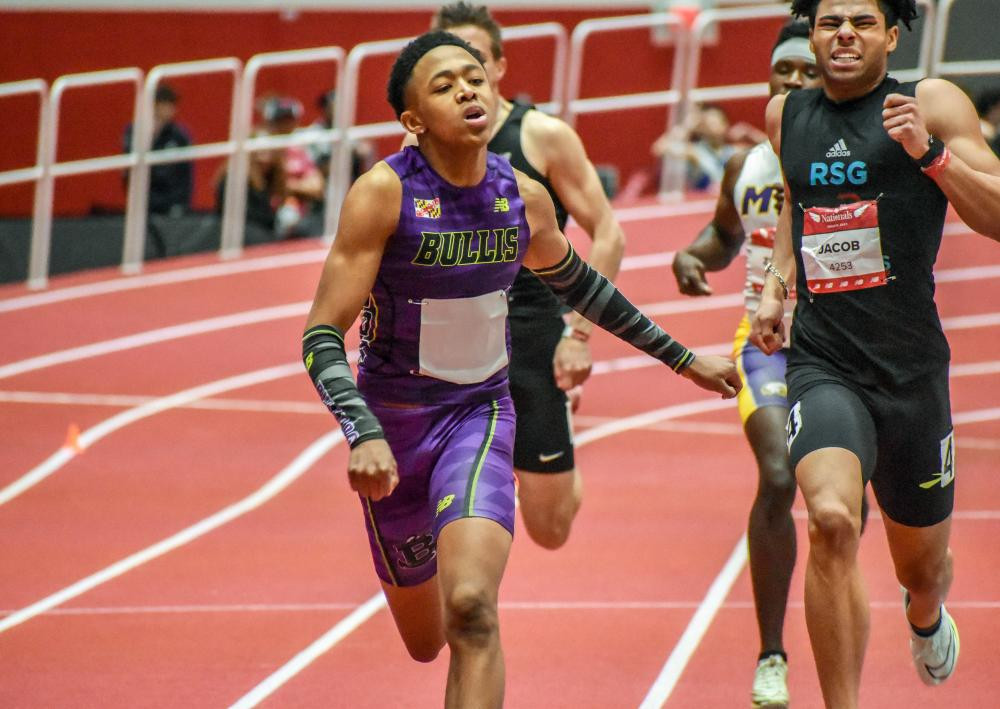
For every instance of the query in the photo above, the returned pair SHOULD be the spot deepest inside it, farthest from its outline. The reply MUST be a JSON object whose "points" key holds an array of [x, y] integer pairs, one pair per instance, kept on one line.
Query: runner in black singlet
{"points": [[549, 358], [870, 165]]}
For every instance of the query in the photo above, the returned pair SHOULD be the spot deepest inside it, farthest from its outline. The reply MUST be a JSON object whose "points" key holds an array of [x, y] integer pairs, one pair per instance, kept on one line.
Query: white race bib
{"points": [[842, 248], [464, 340]]}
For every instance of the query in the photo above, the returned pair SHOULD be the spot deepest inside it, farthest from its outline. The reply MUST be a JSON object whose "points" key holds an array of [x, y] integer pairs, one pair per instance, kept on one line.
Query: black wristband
{"points": [[934, 149], [326, 362]]}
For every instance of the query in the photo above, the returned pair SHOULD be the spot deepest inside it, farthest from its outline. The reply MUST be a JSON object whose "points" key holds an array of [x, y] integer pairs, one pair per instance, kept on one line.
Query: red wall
{"points": [[50, 44]]}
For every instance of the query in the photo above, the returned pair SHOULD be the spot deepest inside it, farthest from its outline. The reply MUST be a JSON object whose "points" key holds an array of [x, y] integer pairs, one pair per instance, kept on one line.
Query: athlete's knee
{"points": [[470, 615], [549, 531], [833, 528], [926, 574], [548, 514], [776, 489], [424, 649]]}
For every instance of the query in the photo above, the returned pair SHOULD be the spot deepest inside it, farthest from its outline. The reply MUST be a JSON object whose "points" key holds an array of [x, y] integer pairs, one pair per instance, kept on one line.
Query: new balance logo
{"points": [[838, 150]]}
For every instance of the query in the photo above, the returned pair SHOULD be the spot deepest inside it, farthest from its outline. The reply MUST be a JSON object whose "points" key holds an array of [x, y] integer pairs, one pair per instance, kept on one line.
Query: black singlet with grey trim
{"points": [[528, 297], [890, 333]]}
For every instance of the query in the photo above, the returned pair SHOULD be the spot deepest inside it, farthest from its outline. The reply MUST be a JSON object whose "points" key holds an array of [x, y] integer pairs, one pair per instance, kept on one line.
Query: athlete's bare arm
{"points": [[549, 247], [971, 181], [767, 329], [366, 222], [575, 181], [718, 243], [556, 151]]}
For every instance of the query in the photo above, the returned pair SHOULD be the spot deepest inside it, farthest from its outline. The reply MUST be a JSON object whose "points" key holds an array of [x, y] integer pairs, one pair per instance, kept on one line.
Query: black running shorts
{"points": [[902, 436], [543, 442]]}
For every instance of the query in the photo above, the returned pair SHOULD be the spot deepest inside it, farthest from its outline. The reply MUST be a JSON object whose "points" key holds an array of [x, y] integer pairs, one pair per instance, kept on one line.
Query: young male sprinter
{"points": [[870, 165], [548, 356], [428, 244]]}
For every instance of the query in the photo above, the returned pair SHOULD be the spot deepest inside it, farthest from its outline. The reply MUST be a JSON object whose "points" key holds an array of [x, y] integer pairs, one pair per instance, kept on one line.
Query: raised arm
{"points": [[767, 329], [718, 243], [592, 295], [968, 172], [366, 222]]}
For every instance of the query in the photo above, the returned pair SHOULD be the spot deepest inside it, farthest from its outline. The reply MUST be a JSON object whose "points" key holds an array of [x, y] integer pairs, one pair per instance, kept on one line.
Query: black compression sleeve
{"points": [[596, 298], [326, 362]]}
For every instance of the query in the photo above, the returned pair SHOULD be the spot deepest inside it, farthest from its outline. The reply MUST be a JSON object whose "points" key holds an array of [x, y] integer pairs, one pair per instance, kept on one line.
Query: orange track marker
{"points": [[73, 439]]}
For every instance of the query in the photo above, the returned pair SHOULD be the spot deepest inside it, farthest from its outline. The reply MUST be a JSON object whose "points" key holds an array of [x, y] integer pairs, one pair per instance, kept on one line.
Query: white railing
{"points": [[670, 97], [19, 88], [940, 67], [142, 141], [41, 228], [565, 100]]}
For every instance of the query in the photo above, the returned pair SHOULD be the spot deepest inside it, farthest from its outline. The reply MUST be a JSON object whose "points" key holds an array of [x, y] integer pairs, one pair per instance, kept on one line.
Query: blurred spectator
{"points": [[362, 152], [988, 108], [703, 142], [170, 185], [265, 190], [301, 210]]}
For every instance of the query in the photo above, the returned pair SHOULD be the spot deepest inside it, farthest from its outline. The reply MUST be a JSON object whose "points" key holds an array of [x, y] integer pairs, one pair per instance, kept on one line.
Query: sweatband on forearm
{"points": [[326, 362], [592, 295]]}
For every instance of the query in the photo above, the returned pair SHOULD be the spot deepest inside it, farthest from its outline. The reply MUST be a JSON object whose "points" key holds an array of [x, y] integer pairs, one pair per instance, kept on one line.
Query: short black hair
{"points": [[402, 69], [463, 14], [165, 94], [986, 100], [791, 30], [895, 11]]}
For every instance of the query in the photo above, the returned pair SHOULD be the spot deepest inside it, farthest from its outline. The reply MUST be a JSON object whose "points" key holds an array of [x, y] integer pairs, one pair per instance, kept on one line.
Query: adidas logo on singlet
{"points": [[838, 150]]}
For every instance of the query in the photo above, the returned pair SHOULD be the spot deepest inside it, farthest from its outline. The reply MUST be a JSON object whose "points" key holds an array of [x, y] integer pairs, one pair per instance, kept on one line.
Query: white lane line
{"points": [[125, 400], [969, 322], [339, 631], [305, 658], [173, 332], [968, 515], [504, 605], [181, 275], [279, 482], [124, 418], [665, 682], [976, 416], [972, 369]]}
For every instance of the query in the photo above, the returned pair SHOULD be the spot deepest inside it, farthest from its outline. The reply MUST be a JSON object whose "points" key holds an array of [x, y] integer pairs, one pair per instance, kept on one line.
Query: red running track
{"points": [[202, 538]]}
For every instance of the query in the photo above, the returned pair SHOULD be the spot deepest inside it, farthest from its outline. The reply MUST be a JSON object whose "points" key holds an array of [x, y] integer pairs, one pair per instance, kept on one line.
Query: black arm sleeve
{"points": [[326, 362], [596, 298]]}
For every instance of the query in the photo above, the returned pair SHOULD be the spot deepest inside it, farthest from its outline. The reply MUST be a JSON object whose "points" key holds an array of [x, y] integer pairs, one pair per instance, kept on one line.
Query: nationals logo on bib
{"points": [[842, 248]]}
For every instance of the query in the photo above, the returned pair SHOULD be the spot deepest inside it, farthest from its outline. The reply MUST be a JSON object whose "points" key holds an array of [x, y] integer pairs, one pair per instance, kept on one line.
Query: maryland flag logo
{"points": [[427, 208], [500, 204]]}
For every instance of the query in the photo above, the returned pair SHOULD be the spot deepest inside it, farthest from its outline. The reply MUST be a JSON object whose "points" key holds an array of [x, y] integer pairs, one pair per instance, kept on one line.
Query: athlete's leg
{"points": [[401, 527], [832, 448], [549, 502], [915, 484], [472, 554], [550, 488], [417, 612], [472, 490], [923, 567], [836, 601], [771, 530]]}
